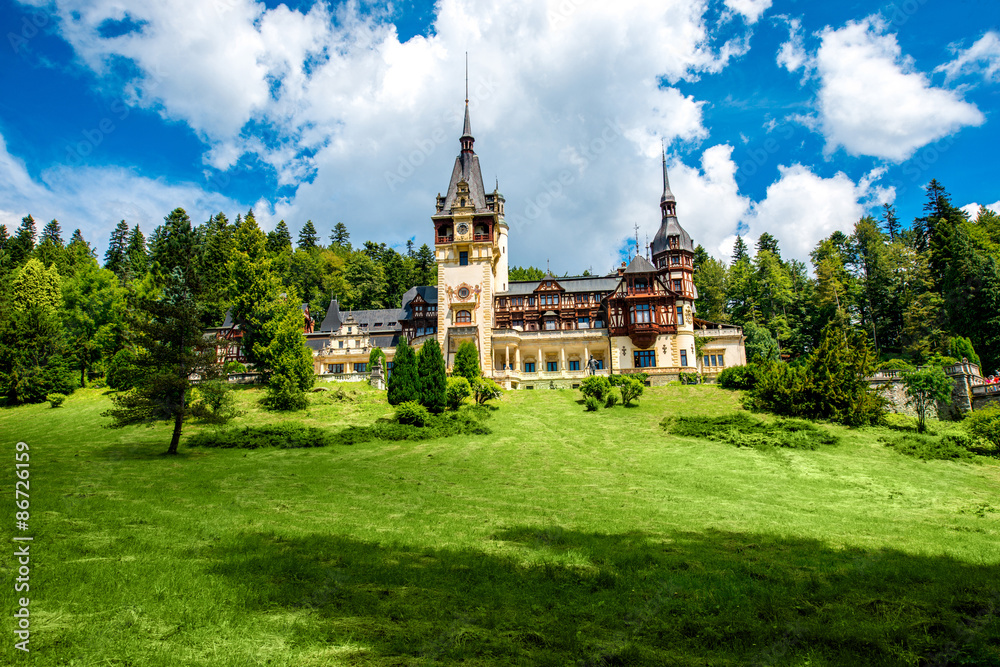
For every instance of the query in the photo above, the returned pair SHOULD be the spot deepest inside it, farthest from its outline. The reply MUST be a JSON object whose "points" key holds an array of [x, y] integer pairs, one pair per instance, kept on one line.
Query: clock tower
{"points": [[470, 245]]}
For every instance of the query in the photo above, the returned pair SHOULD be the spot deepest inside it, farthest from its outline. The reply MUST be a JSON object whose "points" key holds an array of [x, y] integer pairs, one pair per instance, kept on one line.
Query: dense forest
{"points": [[920, 293]]}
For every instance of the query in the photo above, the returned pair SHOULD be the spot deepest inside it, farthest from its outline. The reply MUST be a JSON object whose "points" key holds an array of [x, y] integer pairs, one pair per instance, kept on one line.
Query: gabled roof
{"points": [[467, 169], [570, 285], [428, 293], [332, 320], [640, 265]]}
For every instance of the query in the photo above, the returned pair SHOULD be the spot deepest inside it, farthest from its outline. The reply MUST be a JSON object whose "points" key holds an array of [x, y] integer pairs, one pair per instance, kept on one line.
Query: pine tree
{"points": [[213, 265], [410, 252], [282, 351], [136, 257], [4, 238], [403, 384], [890, 221], [307, 236], [51, 248], [740, 251], [768, 243], [23, 243], [52, 234], [467, 362], [432, 376], [340, 239], [34, 358], [177, 248], [115, 259], [427, 267], [710, 279], [280, 239]]}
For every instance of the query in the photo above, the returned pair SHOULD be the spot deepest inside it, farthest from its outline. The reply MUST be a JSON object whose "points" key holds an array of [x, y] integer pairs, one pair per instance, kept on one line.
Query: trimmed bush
{"points": [[403, 384], [631, 390], [739, 377], [283, 436], [431, 377], [745, 430], [592, 404], [895, 365], [619, 379], [457, 391], [610, 399], [597, 386], [485, 389], [412, 413], [55, 400], [929, 448]]}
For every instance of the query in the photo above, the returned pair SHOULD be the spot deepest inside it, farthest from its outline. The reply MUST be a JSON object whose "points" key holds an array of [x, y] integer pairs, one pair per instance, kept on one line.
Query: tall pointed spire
{"points": [[466, 139], [668, 203]]}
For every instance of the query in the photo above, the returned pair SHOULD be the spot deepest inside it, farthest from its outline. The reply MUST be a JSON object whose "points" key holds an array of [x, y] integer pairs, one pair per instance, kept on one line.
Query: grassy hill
{"points": [[563, 538]]}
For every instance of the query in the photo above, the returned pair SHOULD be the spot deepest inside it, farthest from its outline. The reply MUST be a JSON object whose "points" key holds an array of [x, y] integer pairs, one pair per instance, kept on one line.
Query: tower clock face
{"points": [[463, 228]]}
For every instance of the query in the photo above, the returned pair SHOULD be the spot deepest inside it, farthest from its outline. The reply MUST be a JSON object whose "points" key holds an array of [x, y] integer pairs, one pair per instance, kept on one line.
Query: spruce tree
{"points": [[52, 234], [308, 236], [115, 257], [890, 221], [403, 384], [280, 239], [432, 377], [23, 242], [740, 251], [4, 238], [467, 362], [136, 257], [340, 238]]}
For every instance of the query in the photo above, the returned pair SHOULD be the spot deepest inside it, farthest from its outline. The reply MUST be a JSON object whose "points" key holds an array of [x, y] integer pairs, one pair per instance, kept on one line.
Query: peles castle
{"points": [[541, 333]]}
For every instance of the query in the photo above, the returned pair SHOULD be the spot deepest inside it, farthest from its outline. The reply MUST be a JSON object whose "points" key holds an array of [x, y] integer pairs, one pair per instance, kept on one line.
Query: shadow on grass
{"points": [[563, 597]]}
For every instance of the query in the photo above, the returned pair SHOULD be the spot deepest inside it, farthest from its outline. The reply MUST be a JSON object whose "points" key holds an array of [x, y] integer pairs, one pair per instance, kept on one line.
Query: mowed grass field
{"points": [[563, 538]]}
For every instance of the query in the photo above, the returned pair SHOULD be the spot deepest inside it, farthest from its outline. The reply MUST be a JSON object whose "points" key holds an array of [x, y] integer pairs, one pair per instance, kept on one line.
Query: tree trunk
{"points": [[178, 421]]}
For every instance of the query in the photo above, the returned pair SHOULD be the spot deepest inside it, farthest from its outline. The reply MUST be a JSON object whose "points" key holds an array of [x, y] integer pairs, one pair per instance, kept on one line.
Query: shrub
{"points": [[412, 413], [458, 390], [284, 395], [925, 388], [485, 389], [929, 448], [217, 404], [631, 390], [597, 386], [617, 380], [610, 399], [467, 362], [984, 424], [284, 436], [744, 430], [592, 404], [431, 377], [739, 377], [376, 355], [234, 367], [55, 400], [961, 348], [690, 378], [895, 365]]}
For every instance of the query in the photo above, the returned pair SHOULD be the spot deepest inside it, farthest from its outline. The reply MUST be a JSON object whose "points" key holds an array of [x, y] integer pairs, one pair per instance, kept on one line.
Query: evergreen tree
{"points": [[52, 234], [340, 239], [94, 309], [253, 287], [23, 243], [282, 351], [79, 251], [280, 239], [177, 248], [174, 349], [426, 267], [34, 285], [116, 257], [403, 383], [740, 251], [467, 362], [890, 222], [307, 236], [136, 257], [700, 257], [213, 265], [432, 377], [518, 273], [4, 238], [410, 252], [34, 358], [51, 250], [710, 279], [768, 243]]}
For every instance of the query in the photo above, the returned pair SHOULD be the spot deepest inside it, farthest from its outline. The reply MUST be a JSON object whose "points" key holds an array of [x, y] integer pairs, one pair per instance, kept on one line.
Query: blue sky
{"points": [[789, 117]]}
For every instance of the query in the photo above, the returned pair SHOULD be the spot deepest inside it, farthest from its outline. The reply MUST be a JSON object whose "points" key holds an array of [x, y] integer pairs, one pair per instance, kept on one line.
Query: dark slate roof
{"points": [[228, 324], [386, 340], [378, 320], [467, 169], [332, 320], [428, 293], [316, 344], [640, 265], [667, 194], [570, 285], [670, 227]]}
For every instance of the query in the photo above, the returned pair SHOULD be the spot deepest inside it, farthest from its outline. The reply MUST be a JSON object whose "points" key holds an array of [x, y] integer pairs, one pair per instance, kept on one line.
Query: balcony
{"points": [[555, 335], [482, 237], [444, 239]]}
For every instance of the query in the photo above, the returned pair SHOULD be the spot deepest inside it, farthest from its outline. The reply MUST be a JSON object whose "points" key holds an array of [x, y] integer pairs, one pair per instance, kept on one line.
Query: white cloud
{"points": [[983, 57], [801, 208], [973, 209], [344, 105], [750, 9], [871, 101], [95, 199], [792, 54]]}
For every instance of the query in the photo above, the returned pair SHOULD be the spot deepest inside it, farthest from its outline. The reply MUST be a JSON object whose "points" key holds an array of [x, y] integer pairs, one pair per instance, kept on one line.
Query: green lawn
{"points": [[564, 538]]}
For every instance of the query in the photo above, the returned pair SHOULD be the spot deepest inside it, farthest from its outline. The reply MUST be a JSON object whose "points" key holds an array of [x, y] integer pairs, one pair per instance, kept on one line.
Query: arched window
{"points": [[463, 317]]}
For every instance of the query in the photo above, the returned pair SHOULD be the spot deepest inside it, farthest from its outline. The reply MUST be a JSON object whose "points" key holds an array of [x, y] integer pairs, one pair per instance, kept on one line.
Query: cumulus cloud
{"points": [[363, 128], [751, 10], [792, 54], [95, 199], [801, 208], [983, 58], [972, 210], [871, 100]]}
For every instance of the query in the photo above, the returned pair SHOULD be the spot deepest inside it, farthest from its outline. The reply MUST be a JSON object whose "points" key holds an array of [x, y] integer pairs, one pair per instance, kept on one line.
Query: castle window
{"points": [[531, 301], [529, 367], [583, 322], [644, 358], [517, 324], [463, 258], [675, 259], [680, 316], [463, 317], [551, 365], [684, 358], [361, 368], [641, 285], [677, 285], [550, 325], [640, 313], [341, 346], [335, 368], [574, 365]]}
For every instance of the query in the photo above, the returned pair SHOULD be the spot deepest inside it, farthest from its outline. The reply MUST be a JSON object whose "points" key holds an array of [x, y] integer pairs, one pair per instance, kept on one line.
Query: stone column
{"points": [[562, 358], [517, 357], [540, 361], [506, 352]]}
